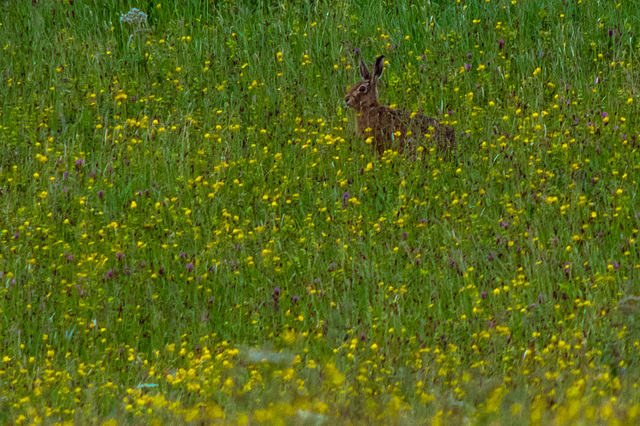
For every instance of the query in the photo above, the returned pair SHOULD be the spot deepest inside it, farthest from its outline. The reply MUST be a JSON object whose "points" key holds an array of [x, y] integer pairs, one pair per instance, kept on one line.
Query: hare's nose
{"points": [[346, 99]]}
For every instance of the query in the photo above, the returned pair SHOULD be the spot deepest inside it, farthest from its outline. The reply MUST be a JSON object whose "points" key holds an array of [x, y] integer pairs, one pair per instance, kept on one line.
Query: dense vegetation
{"points": [[191, 231]]}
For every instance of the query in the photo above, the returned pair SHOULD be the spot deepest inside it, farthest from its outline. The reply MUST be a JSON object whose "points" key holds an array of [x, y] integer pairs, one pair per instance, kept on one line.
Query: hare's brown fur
{"points": [[383, 123]]}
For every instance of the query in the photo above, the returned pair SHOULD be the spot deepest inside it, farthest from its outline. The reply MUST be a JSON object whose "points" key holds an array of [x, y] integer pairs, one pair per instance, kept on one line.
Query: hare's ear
{"points": [[377, 70], [364, 71]]}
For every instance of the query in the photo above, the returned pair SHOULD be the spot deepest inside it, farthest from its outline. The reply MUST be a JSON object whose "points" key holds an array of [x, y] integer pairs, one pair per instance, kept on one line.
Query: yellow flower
{"points": [[334, 376], [289, 337]]}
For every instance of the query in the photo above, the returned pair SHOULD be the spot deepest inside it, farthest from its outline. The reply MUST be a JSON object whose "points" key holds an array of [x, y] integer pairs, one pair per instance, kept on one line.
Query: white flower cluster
{"points": [[134, 16]]}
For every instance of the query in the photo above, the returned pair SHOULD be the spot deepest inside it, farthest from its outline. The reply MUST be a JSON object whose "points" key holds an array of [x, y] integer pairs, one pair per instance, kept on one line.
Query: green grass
{"points": [[183, 200]]}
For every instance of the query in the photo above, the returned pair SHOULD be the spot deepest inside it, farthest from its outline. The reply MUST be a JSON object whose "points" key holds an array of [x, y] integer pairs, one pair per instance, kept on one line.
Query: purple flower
{"points": [[16, 235], [604, 114], [120, 256], [356, 50], [276, 291], [345, 200], [404, 235], [189, 267], [467, 67], [295, 299], [79, 163], [100, 194], [610, 33], [109, 274], [500, 44]]}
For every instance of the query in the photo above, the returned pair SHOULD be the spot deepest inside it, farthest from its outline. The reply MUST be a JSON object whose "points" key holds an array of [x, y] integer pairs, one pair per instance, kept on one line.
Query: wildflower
{"points": [[134, 17], [500, 44], [345, 200], [189, 267]]}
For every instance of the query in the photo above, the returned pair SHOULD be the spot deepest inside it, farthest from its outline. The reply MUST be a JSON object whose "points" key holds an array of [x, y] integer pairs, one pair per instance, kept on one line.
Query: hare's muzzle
{"points": [[347, 99]]}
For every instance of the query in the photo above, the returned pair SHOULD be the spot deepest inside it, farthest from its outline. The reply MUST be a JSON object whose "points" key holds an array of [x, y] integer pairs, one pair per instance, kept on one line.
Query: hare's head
{"points": [[365, 93]]}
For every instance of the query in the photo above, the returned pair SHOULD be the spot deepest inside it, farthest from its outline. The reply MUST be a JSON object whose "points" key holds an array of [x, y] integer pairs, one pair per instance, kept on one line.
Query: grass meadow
{"points": [[191, 231]]}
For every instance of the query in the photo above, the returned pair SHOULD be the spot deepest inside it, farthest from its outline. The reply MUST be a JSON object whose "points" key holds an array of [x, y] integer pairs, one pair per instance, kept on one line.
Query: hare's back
{"points": [[425, 122]]}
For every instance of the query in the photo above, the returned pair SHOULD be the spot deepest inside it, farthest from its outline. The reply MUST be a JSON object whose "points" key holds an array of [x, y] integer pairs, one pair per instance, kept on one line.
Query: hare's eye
{"points": [[362, 89]]}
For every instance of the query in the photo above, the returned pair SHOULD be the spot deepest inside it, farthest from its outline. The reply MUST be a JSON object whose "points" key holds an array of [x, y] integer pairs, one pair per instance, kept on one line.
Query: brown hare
{"points": [[393, 128]]}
